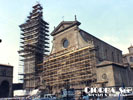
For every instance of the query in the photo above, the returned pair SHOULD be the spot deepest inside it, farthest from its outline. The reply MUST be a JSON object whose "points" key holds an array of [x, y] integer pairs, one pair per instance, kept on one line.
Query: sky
{"points": [[109, 20]]}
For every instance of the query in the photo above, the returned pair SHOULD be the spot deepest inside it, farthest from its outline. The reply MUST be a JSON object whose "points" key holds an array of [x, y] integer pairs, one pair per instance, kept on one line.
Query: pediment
{"points": [[63, 26]]}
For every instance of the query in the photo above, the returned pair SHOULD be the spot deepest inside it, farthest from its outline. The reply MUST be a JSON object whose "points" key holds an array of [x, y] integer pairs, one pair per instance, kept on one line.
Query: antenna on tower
{"points": [[75, 18]]}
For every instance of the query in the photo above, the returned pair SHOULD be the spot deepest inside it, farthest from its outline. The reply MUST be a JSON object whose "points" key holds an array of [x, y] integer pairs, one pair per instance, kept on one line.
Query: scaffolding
{"points": [[73, 67], [34, 46]]}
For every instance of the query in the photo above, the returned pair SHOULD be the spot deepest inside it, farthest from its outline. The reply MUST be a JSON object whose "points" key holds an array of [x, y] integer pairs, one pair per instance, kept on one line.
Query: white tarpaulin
{"points": [[33, 92], [20, 93]]}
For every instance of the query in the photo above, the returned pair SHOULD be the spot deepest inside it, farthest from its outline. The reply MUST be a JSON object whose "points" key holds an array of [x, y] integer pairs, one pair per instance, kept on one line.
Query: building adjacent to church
{"points": [[6, 80], [128, 58]]}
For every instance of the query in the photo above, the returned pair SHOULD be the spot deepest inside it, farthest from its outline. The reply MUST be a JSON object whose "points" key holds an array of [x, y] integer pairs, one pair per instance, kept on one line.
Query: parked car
{"points": [[47, 97]]}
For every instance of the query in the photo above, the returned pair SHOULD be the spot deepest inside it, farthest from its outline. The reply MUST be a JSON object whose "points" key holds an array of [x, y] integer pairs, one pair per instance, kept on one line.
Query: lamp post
{"points": [[67, 88]]}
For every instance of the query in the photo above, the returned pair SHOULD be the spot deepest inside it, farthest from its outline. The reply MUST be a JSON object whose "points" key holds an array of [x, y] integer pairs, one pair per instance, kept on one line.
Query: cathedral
{"points": [[79, 59]]}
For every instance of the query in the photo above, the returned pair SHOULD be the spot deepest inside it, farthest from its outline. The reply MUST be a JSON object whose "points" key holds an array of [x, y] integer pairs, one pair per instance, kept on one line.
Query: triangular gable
{"points": [[64, 25]]}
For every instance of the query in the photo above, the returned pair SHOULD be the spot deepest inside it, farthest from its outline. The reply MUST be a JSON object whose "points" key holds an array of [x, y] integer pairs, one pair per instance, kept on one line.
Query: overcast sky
{"points": [[109, 20]]}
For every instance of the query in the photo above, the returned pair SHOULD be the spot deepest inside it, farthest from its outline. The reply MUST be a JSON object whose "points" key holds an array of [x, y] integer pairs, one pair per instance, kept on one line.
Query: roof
{"points": [[130, 47], [38, 4], [128, 54], [106, 63], [88, 35], [64, 25], [5, 65]]}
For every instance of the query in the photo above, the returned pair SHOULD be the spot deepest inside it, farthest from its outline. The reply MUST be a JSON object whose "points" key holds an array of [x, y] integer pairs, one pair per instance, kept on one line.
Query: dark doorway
{"points": [[4, 89]]}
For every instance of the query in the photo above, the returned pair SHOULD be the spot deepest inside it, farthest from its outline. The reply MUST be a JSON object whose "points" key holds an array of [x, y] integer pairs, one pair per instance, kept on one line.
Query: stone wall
{"points": [[104, 50]]}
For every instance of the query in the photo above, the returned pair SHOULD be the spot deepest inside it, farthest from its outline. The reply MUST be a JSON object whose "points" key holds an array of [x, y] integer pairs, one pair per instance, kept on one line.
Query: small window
{"points": [[4, 72], [104, 76], [131, 59]]}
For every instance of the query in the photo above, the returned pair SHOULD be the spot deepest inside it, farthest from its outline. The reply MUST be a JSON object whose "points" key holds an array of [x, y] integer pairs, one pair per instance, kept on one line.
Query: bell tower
{"points": [[34, 46]]}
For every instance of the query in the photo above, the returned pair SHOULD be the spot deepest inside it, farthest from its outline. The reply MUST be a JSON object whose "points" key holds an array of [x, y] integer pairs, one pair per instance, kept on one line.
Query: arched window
{"points": [[118, 58], [112, 56], [4, 89], [131, 59], [97, 48], [106, 54]]}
